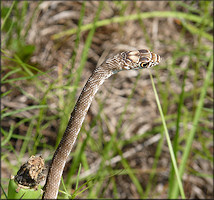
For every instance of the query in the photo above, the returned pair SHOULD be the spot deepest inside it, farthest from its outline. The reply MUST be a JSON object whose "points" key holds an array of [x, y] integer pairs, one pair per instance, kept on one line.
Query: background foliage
{"points": [[49, 49]]}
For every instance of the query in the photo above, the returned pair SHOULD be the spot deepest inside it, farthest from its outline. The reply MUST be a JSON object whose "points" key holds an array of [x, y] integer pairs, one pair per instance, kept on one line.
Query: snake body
{"points": [[123, 61]]}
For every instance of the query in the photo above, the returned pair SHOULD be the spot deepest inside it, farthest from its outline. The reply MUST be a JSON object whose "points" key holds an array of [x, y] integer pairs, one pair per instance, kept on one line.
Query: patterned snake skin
{"points": [[123, 61]]}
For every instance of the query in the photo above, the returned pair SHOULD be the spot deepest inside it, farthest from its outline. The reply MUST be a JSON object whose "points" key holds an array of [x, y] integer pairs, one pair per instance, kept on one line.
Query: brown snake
{"points": [[123, 61]]}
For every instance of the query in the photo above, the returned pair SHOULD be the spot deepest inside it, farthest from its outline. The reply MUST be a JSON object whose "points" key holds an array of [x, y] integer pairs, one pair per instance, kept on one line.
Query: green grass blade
{"points": [[80, 24], [175, 140], [10, 73], [2, 189], [8, 14], [6, 93], [168, 141], [192, 29], [130, 172], [6, 140], [26, 140], [21, 110], [195, 125], [22, 78], [154, 166], [178, 15], [23, 65], [64, 188], [79, 73], [77, 183]]}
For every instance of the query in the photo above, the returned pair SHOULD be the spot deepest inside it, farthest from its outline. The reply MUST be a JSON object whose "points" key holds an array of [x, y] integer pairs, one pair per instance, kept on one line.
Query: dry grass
{"points": [[140, 132]]}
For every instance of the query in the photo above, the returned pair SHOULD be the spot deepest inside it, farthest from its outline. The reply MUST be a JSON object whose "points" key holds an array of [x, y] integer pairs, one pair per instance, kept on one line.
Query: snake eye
{"points": [[144, 65]]}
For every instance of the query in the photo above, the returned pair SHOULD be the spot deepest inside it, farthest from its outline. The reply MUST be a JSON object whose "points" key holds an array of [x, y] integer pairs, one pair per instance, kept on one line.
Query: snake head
{"points": [[139, 59]]}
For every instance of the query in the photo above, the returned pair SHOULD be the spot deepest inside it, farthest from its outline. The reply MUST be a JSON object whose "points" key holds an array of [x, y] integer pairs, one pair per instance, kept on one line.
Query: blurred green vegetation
{"points": [[195, 122]]}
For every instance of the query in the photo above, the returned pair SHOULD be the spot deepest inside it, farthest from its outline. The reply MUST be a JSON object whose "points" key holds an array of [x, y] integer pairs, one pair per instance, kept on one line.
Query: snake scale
{"points": [[128, 60]]}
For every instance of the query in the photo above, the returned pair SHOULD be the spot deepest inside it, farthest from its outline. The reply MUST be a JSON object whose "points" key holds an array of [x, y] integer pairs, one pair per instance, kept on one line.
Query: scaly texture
{"points": [[124, 61]]}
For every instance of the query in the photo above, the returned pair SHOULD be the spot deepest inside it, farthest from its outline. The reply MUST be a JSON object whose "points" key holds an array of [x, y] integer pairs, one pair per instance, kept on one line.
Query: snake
{"points": [[127, 60]]}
